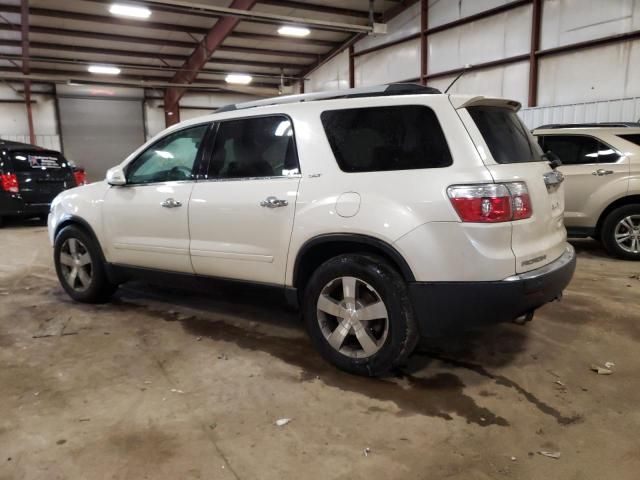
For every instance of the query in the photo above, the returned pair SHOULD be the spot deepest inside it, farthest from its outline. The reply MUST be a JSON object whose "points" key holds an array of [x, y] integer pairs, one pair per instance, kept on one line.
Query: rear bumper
{"points": [[448, 307], [14, 204]]}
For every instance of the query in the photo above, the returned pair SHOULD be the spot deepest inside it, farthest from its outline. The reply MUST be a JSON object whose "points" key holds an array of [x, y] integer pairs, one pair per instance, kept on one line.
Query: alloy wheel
{"points": [[627, 234], [352, 317], [76, 264]]}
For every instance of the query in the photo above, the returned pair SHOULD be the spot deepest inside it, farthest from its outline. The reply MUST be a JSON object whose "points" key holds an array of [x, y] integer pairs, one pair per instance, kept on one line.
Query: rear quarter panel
{"points": [[393, 204]]}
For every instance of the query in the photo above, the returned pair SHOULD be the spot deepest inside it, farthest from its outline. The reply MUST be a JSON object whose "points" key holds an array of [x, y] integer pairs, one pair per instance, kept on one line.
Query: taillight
{"points": [[9, 182], [81, 177], [520, 200], [491, 202]]}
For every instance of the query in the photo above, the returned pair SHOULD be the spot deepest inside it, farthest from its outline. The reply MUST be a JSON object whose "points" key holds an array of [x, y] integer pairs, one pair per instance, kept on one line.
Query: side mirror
{"points": [[116, 177]]}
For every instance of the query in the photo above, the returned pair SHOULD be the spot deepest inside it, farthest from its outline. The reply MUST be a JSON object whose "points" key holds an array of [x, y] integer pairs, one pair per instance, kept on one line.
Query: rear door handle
{"points": [[273, 202], [601, 172], [171, 203]]}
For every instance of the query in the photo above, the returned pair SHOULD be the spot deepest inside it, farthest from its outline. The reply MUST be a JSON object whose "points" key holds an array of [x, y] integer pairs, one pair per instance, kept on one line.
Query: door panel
{"points": [[141, 232], [241, 217], [594, 173], [233, 236], [147, 220]]}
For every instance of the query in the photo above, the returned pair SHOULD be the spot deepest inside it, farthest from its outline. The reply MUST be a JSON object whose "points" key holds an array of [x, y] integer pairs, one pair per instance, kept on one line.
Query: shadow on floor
{"points": [[430, 384]]}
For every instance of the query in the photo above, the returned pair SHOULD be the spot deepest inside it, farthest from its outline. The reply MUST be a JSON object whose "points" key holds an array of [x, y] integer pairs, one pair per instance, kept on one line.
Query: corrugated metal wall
{"points": [[590, 75]]}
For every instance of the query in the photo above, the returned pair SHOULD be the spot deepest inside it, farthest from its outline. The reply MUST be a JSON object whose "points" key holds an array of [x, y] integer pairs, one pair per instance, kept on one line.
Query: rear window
{"points": [[374, 139], [635, 138], [506, 136], [29, 161]]}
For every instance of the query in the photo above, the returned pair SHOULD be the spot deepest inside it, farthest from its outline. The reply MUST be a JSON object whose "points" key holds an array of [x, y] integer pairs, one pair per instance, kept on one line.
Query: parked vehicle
{"points": [[31, 177], [386, 213], [601, 165]]}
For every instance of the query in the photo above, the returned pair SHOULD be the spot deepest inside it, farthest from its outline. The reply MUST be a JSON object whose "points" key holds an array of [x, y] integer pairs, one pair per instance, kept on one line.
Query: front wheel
{"points": [[621, 232], [80, 268], [358, 314]]}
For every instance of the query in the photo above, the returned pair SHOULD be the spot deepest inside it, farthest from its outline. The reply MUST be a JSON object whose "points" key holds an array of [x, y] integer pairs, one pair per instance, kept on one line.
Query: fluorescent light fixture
{"points": [[132, 11], [290, 31], [104, 69], [239, 78]]}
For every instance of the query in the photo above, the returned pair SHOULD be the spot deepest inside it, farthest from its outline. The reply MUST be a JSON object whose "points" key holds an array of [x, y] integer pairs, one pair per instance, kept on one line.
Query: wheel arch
{"points": [[72, 220], [620, 202], [319, 249]]}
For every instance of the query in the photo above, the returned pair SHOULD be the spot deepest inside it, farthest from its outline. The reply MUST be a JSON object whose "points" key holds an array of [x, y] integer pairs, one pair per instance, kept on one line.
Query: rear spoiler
{"points": [[459, 101]]}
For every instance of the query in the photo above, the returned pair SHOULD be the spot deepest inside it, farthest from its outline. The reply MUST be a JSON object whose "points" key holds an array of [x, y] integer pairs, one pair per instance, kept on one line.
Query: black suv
{"points": [[31, 177]]}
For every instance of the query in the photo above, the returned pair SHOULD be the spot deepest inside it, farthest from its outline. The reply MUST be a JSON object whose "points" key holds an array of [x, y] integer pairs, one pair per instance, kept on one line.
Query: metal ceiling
{"points": [[65, 36]]}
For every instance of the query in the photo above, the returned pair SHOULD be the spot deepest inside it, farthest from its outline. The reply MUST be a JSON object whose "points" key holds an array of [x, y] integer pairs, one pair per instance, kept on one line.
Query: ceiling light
{"points": [[104, 69], [238, 78], [294, 31], [129, 11]]}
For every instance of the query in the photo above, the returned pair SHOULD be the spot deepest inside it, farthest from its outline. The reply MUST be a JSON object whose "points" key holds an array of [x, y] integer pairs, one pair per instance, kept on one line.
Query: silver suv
{"points": [[601, 165]]}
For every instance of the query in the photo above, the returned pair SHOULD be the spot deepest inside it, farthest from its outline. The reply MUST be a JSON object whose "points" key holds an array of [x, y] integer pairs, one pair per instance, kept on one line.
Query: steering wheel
{"points": [[179, 173]]}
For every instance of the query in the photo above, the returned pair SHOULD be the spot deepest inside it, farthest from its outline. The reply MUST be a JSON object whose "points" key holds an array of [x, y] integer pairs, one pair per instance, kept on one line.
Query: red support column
{"points": [[424, 47], [24, 19], [171, 112], [536, 17], [199, 57], [352, 68]]}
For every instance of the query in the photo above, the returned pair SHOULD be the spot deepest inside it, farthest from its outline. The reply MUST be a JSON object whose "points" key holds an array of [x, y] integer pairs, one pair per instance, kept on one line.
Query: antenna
{"points": [[466, 67]]}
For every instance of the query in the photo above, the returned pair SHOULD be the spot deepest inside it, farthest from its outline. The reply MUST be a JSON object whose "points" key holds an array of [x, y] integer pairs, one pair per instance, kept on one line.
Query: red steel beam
{"points": [[536, 17], [391, 13], [347, 12], [352, 68], [424, 39], [199, 58], [160, 42], [57, 48], [24, 21]]}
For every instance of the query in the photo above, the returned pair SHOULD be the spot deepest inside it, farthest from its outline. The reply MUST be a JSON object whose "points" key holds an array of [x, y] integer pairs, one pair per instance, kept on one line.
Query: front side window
{"points": [[579, 149], [507, 137], [254, 148], [374, 139], [169, 159]]}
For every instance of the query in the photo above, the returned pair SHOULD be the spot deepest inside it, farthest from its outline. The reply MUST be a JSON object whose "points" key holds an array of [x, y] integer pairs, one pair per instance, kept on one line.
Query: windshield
{"points": [[506, 136]]}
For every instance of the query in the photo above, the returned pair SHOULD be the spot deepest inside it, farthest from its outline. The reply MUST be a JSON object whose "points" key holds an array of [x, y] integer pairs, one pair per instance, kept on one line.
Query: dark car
{"points": [[31, 177]]}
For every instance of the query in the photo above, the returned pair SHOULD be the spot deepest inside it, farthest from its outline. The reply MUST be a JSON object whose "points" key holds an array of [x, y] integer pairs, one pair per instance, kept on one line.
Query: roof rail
{"points": [[374, 91], [552, 126]]}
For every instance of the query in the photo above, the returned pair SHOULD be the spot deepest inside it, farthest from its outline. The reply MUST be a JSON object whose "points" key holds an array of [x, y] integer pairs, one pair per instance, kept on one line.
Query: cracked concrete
{"points": [[163, 383]]}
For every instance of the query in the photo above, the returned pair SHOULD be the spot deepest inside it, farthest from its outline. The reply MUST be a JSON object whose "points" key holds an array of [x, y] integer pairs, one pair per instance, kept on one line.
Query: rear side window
{"points": [[254, 148], [635, 138], [579, 149], [506, 136], [29, 161], [375, 139]]}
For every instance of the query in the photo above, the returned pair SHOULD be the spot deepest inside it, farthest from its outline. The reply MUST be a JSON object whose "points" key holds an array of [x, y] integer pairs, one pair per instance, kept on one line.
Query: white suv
{"points": [[386, 213]]}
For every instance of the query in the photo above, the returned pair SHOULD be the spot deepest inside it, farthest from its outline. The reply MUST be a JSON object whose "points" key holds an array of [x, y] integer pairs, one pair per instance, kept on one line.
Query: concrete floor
{"points": [[164, 385]]}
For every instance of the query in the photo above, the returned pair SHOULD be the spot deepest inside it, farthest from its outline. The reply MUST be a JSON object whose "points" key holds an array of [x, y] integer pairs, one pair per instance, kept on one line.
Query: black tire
{"points": [[608, 231], [98, 289], [389, 286]]}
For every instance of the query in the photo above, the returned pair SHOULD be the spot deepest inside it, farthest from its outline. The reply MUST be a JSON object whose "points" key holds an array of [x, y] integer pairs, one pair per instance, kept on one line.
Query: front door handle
{"points": [[601, 172], [171, 203], [273, 202]]}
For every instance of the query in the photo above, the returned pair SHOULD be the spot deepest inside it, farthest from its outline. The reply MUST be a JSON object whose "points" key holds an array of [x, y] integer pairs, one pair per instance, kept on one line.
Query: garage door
{"points": [[99, 133]]}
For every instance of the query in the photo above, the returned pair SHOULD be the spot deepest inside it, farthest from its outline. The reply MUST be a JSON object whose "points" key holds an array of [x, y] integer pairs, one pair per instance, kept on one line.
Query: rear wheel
{"points": [[80, 268], [358, 314], [621, 232]]}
